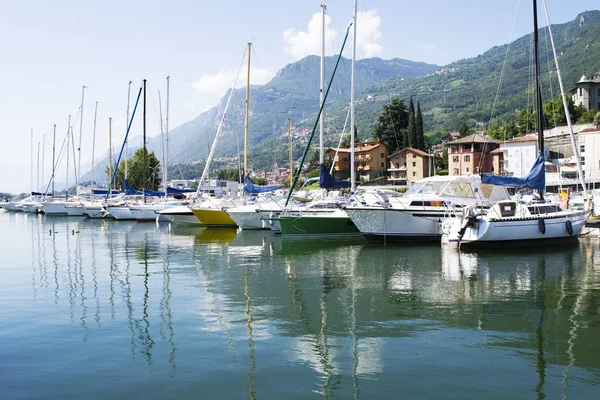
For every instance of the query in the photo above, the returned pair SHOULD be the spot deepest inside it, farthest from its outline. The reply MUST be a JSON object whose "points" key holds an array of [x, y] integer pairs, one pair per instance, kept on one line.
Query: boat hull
{"points": [[55, 208], [121, 213], [317, 225], [214, 218], [247, 220], [394, 225], [517, 232]]}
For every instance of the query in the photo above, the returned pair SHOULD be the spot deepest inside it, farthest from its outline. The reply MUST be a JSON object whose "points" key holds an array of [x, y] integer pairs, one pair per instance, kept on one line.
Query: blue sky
{"points": [[50, 49]]}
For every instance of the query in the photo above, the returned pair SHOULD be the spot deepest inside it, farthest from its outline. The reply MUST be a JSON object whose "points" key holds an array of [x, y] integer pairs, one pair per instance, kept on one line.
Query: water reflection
{"points": [[223, 311]]}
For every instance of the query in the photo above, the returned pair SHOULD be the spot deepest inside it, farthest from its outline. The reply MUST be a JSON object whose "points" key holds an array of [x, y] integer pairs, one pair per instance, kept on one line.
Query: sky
{"points": [[51, 49]]}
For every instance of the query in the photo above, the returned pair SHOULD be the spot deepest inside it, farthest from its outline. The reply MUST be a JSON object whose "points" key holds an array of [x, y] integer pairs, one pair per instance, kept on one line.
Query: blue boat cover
{"points": [[129, 190], [37, 194], [104, 191], [535, 180], [172, 190], [153, 193], [251, 188], [326, 181]]}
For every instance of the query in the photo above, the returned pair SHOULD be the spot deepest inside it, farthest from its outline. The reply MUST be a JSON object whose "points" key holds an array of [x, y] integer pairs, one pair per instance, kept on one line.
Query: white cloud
{"points": [[368, 33], [299, 44], [219, 82]]}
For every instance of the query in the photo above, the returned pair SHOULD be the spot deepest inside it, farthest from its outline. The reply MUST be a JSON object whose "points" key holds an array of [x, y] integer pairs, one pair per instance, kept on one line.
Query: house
{"points": [[588, 141], [516, 156], [409, 165], [370, 160], [471, 155], [587, 92]]}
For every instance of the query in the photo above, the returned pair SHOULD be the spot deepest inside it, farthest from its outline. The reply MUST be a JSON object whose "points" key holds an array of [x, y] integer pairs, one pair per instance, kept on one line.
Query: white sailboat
{"points": [[516, 223]]}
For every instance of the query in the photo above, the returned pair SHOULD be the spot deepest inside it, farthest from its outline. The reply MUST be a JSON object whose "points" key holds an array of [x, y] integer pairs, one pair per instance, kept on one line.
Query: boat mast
{"points": [[31, 163], [110, 162], [167, 138], [290, 149], [79, 147], [162, 139], [247, 118], [53, 157], [321, 88], [144, 131], [566, 108], [43, 153], [352, 122], [539, 109], [94, 148], [37, 183], [126, 148], [68, 137]]}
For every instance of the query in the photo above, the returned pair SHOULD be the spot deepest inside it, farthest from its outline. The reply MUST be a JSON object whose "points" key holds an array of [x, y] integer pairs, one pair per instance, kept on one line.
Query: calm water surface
{"points": [[109, 309]]}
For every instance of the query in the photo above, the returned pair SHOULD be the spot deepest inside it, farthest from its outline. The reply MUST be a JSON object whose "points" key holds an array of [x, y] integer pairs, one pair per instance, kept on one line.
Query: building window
{"points": [[397, 174], [582, 159], [382, 155], [414, 155], [582, 148], [467, 158], [467, 169], [382, 165], [397, 165], [414, 173], [414, 163], [455, 171], [580, 92], [455, 159]]}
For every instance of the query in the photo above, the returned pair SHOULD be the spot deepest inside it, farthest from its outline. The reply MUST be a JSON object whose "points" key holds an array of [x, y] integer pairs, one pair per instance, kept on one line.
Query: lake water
{"points": [[112, 309]]}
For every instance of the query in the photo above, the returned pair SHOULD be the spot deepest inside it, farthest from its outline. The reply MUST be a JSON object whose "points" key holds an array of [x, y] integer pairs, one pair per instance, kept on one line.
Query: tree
{"points": [[135, 166], [419, 127], [391, 125], [597, 118], [526, 122], [229, 174], [464, 130], [412, 126]]}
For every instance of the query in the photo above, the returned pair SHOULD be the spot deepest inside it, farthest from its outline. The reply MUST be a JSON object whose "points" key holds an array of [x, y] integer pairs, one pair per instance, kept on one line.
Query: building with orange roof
{"points": [[471, 155], [409, 165], [370, 160]]}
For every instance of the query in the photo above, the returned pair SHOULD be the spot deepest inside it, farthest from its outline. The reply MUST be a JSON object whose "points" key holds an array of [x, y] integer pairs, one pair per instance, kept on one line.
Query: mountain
{"points": [[462, 91]]}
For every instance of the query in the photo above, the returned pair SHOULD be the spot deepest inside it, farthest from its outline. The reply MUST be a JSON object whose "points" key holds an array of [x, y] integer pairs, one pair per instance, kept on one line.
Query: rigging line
{"points": [[552, 104], [340, 142], [212, 150], [501, 76]]}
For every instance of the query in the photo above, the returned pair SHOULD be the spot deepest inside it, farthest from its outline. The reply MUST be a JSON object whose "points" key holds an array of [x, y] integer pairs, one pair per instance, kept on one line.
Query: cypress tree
{"points": [[419, 123], [412, 127]]}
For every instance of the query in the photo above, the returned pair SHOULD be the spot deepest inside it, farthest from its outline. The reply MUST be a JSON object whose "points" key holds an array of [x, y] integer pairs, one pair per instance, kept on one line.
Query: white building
{"points": [[588, 141], [519, 155]]}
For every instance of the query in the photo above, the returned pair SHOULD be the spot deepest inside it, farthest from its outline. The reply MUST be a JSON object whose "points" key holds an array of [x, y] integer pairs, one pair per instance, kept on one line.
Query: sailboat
{"points": [[516, 223], [212, 211], [326, 216]]}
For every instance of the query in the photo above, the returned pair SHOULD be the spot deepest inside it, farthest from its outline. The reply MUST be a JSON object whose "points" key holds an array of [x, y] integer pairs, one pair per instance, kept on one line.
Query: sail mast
{"points": [[167, 138], [53, 157], [68, 139], [31, 163], [352, 122], [539, 109], [162, 139], [43, 154], [321, 88], [110, 160], [247, 118], [144, 131], [79, 147], [290, 149], [94, 148], [126, 147], [37, 183]]}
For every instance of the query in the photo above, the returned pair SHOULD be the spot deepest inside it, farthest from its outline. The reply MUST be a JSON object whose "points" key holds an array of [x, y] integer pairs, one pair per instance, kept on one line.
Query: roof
{"points": [[359, 147], [589, 130], [411, 150], [532, 137], [474, 138], [497, 151]]}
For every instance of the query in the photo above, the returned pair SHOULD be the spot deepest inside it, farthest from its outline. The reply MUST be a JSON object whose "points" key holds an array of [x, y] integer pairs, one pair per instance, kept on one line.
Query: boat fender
{"points": [[542, 226], [569, 227]]}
